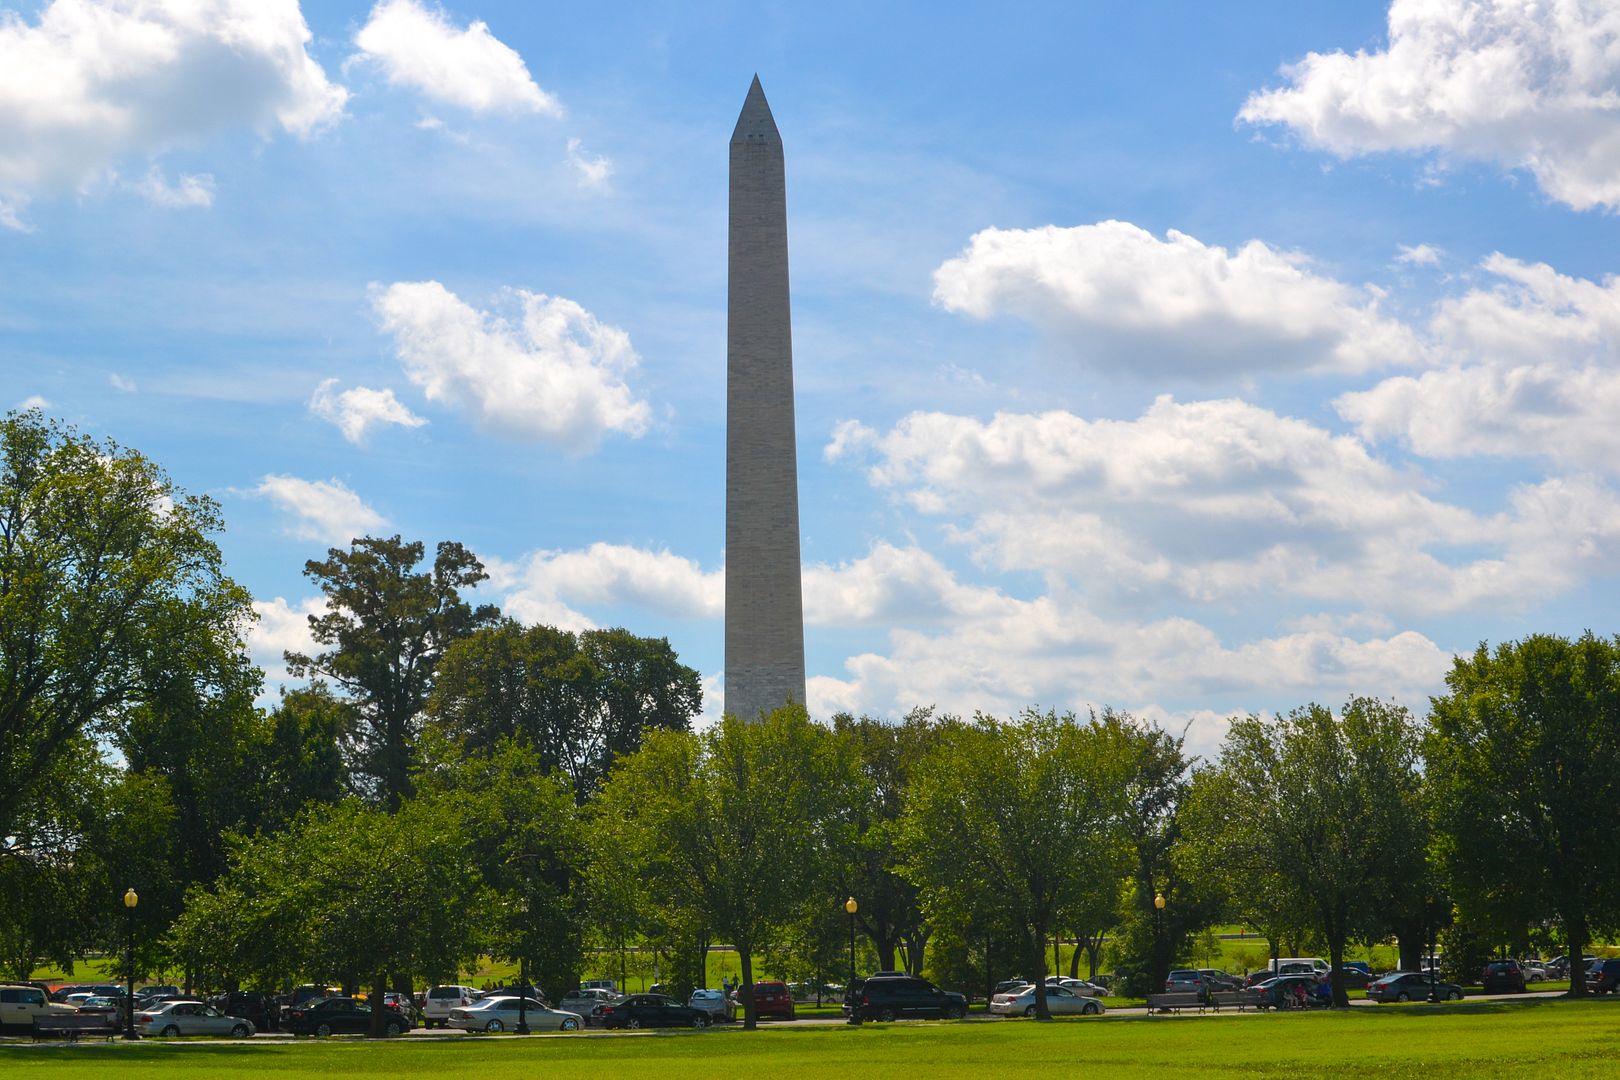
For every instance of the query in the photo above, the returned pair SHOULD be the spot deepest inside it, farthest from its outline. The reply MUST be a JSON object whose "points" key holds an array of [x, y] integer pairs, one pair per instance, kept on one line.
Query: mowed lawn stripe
{"points": [[1543, 1038]]}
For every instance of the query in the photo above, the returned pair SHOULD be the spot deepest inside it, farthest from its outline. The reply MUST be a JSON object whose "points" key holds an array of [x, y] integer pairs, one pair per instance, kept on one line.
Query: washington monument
{"points": [[764, 609]]}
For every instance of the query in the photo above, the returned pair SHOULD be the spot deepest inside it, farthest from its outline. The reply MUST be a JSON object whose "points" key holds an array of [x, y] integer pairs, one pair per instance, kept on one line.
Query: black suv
{"points": [[904, 998], [1603, 977], [1502, 976]]}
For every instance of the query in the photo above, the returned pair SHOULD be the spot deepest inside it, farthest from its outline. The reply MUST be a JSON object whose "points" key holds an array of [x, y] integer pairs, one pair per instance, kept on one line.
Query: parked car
{"points": [[502, 1013], [1411, 986], [62, 993], [302, 995], [652, 1010], [1602, 976], [442, 1000], [589, 1003], [715, 1003], [1060, 1001], [1535, 971], [169, 1018], [161, 993], [1355, 976], [339, 1016], [1007, 984], [258, 1006], [601, 984], [20, 1003], [1502, 977], [1184, 981], [110, 1007], [1290, 991], [773, 998], [905, 998]]}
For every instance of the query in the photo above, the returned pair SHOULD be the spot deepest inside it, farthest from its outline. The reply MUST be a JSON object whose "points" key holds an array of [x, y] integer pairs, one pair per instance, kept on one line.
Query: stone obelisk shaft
{"points": [[764, 609]]}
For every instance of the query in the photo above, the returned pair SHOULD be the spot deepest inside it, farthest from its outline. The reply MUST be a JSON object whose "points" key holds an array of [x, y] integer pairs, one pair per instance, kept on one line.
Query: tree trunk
{"points": [[1037, 942], [379, 988], [1412, 946], [745, 955], [1341, 999], [914, 945], [1074, 958], [1575, 938], [885, 951]]}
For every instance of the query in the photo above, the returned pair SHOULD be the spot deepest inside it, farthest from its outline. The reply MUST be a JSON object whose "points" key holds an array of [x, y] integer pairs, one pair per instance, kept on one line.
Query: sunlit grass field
{"points": [[1548, 1037]]}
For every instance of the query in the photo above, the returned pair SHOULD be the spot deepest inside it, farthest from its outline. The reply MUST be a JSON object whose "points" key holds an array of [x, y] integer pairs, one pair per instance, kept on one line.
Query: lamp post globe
{"points": [[852, 907], [131, 898]]}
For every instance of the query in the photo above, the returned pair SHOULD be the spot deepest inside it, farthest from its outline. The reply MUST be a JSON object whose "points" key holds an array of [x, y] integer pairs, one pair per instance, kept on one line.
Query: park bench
{"points": [[1239, 999], [70, 1026], [1167, 1002]]}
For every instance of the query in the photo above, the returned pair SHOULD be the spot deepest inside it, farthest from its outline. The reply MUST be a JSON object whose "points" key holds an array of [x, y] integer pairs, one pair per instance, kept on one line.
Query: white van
{"points": [[1299, 965]]}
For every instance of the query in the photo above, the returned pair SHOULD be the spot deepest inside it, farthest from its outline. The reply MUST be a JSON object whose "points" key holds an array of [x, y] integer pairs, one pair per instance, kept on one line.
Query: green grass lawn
{"points": [[1534, 1038]]}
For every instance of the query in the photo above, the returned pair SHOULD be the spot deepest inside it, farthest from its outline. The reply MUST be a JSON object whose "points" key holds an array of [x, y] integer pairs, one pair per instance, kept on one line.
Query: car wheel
{"points": [[632, 1023], [240, 1031], [494, 1026], [886, 1015], [169, 1032], [1403, 996], [956, 1013], [1029, 1013], [393, 1030], [323, 1030], [1453, 995], [1090, 1009], [699, 1021]]}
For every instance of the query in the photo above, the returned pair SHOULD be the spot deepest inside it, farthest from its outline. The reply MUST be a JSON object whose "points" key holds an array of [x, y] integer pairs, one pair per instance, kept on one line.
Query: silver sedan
{"points": [[494, 1014], [1060, 1001], [190, 1018]]}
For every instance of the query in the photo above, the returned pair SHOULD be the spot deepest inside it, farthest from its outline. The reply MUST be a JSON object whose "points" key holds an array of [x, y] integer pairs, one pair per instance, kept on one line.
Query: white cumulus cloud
{"points": [[356, 410], [327, 511], [1526, 85], [1418, 255], [90, 83], [417, 45], [1123, 298], [1213, 500], [555, 375], [1533, 371]]}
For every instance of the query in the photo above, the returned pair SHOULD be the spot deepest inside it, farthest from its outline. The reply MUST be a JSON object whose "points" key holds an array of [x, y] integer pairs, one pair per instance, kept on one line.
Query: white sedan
{"points": [[190, 1018], [1060, 1001], [501, 1014]]}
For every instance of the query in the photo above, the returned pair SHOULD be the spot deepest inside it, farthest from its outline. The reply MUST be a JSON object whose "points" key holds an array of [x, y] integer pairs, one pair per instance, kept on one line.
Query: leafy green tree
{"points": [[890, 910], [527, 838], [579, 700], [298, 759], [735, 823], [109, 580], [348, 892], [1024, 815], [385, 628], [1524, 759], [1154, 790], [1329, 812]]}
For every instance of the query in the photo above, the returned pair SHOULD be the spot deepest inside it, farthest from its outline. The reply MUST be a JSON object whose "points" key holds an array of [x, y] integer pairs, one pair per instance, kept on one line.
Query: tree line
{"points": [[452, 784]]}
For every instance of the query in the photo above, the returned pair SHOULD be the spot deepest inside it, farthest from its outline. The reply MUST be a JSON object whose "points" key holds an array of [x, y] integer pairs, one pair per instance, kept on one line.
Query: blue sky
{"points": [[1188, 359]]}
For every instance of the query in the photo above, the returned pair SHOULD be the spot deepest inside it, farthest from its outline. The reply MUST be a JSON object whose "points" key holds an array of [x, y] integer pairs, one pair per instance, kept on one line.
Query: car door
{"points": [[672, 1014], [356, 1018], [1061, 1001], [15, 1007]]}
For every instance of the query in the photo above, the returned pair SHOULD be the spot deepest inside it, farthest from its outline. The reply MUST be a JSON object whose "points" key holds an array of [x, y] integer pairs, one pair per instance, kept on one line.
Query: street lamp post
{"points": [[849, 991], [1158, 931], [131, 898]]}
